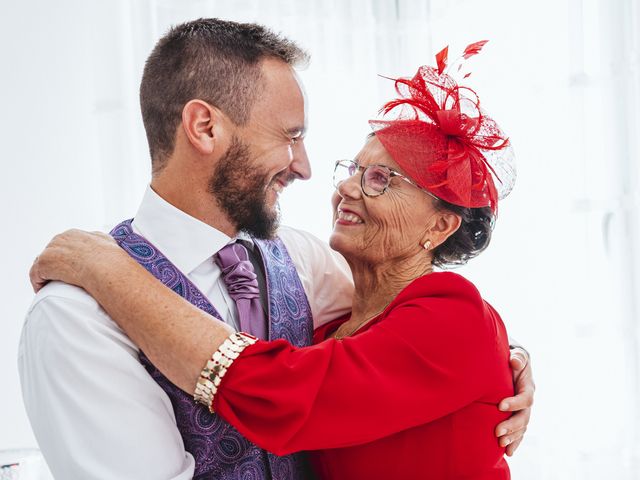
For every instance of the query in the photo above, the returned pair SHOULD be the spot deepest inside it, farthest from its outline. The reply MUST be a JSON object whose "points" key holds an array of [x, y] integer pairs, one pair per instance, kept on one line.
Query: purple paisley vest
{"points": [[220, 452]]}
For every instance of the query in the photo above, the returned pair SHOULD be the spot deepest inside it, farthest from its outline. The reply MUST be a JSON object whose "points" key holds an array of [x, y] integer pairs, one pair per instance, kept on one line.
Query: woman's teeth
{"points": [[349, 217]]}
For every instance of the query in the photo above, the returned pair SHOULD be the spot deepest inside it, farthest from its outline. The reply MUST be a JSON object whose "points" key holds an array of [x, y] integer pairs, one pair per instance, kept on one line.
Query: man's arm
{"points": [[94, 409]]}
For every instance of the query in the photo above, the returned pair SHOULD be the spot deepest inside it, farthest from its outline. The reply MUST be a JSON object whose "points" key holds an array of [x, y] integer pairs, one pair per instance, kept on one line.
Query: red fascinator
{"points": [[439, 135]]}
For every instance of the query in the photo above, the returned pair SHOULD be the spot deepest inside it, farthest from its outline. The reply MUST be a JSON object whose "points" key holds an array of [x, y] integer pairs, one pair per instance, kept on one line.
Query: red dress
{"points": [[413, 395]]}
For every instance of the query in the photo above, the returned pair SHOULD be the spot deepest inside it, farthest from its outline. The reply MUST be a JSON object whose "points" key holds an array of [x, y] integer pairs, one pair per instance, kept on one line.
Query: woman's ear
{"points": [[201, 122], [444, 225]]}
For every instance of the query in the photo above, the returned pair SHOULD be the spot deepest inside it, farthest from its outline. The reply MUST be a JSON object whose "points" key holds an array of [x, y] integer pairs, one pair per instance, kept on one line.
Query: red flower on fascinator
{"points": [[439, 135]]}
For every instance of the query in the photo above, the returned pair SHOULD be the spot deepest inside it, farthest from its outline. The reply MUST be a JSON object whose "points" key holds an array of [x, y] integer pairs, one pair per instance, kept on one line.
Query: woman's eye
{"points": [[377, 178]]}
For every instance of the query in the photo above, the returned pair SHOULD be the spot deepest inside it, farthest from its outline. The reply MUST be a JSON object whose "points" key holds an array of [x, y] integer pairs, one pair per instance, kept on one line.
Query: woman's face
{"points": [[390, 226]]}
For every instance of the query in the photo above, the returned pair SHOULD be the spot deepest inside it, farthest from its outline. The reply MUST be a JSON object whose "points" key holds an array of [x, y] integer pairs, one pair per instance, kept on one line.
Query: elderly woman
{"points": [[406, 386]]}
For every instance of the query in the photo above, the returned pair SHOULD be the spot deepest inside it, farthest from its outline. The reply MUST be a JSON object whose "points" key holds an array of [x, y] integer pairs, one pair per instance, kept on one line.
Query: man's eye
{"points": [[295, 138]]}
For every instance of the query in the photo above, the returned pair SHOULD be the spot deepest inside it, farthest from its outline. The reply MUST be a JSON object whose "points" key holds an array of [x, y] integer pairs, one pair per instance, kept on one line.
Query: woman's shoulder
{"points": [[441, 286], [445, 300]]}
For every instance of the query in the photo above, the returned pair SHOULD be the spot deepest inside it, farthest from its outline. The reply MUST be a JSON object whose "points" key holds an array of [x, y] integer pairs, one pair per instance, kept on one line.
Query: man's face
{"points": [[265, 155], [239, 188]]}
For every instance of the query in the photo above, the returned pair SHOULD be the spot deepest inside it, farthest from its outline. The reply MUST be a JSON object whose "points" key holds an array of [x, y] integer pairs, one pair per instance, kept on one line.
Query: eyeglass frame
{"points": [[392, 174]]}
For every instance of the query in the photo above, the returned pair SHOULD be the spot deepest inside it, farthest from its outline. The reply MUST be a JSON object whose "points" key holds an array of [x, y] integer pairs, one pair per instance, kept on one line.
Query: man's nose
{"points": [[300, 165]]}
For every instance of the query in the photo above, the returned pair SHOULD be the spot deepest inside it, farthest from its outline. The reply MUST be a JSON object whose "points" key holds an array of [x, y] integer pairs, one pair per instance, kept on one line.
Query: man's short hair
{"points": [[217, 61]]}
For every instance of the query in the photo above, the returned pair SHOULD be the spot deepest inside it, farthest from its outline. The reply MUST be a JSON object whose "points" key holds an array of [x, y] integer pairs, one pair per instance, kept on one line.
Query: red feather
{"points": [[473, 49], [441, 59]]}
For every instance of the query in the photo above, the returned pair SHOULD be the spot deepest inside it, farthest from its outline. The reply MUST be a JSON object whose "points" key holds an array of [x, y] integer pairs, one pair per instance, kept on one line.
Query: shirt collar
{"points": [[183, 239], [246, 240]]}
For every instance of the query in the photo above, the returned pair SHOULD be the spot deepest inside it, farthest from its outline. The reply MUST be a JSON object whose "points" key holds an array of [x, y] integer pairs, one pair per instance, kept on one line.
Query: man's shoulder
{"points": [[58, 292], [296, 239], [65, 313], [65, 302], [308, 252]]}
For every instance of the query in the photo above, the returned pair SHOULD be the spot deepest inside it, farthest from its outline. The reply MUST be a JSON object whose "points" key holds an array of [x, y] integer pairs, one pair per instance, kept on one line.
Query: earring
{"points": [[427, 245]]}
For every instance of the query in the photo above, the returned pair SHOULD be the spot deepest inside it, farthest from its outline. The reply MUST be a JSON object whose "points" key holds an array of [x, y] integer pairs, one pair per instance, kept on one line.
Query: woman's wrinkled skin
{"points": [[383, 237]]}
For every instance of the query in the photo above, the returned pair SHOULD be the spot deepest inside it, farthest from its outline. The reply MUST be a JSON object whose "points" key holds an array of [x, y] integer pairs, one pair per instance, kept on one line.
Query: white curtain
{"points": [[561, 76]]}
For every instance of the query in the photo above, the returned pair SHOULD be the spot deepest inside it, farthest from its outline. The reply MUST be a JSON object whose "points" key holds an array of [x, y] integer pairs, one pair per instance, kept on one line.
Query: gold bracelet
{"points": [[216, 368]]}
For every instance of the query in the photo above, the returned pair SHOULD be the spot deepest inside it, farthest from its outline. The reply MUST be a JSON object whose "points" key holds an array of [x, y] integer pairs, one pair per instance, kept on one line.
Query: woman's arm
{"points": [[400, 373], [177, 337]]}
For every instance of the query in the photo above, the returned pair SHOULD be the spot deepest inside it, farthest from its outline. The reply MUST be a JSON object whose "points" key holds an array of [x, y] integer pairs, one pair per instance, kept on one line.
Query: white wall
{"points": [[562, 78]]}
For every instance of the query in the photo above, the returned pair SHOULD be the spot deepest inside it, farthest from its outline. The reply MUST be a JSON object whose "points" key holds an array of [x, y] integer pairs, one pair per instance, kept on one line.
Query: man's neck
{"points": [[194, 200]]}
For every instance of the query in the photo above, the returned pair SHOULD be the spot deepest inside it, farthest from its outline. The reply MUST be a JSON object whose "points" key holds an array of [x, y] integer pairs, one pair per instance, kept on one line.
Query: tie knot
{"points": [[237, 272]]}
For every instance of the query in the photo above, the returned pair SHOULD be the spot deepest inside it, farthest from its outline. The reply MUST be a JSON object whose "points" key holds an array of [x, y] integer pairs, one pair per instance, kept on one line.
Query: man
{"points": [[224, 114]]}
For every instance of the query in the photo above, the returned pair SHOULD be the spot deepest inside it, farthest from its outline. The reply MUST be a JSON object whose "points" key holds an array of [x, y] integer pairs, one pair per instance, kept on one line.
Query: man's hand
{"points": [[511, 431]]}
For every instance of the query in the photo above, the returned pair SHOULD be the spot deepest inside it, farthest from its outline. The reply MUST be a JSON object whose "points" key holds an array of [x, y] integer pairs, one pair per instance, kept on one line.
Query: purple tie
{"points": [[242, 284]]}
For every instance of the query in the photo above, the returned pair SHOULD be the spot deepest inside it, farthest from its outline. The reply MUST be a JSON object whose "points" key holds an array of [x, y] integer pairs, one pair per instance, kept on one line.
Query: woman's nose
{"points": [[350, 188]]}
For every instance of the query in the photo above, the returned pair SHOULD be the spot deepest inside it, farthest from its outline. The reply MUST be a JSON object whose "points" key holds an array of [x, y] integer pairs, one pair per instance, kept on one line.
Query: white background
{"points": [[561, 77]]}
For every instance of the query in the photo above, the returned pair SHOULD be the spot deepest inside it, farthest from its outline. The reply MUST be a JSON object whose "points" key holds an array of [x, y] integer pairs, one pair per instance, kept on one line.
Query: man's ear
{"points": [[202, 124]]}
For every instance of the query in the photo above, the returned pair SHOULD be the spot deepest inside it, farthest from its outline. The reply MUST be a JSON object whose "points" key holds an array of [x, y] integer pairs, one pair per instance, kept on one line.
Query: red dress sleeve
{"points": [[426, 358]]}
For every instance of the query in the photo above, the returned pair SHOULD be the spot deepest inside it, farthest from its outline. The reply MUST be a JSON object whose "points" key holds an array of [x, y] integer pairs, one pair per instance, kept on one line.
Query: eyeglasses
{"points": [[375, 179]]}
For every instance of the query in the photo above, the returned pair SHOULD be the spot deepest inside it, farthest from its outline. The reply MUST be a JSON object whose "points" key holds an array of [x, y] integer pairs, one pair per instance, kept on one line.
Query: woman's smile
{"points": [[347, 217]]}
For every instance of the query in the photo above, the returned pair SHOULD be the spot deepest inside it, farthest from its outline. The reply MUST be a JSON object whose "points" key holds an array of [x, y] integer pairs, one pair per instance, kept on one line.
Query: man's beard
{"points": [[239, 187]]}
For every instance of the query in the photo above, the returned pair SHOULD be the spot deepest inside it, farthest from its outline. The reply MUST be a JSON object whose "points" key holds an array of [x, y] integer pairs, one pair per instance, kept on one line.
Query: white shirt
{"points": [[94, 409]]}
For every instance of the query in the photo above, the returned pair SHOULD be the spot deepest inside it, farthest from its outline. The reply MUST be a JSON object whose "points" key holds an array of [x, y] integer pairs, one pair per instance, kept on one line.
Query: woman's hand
{"points": [[511, 432], [72, 256]]}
